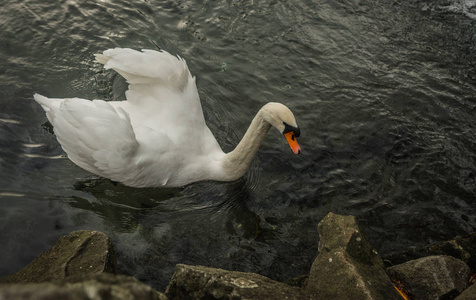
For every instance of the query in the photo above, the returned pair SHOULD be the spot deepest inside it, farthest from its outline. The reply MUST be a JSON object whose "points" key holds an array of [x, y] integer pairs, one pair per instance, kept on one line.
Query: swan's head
{"points": [[281, 117]]}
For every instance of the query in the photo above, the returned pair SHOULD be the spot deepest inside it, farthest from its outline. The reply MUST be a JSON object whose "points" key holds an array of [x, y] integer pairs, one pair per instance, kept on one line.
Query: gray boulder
{"points": [[468, 294], [433, 277], [78, 253], [196, 282], [347, 267], [83, 287]]}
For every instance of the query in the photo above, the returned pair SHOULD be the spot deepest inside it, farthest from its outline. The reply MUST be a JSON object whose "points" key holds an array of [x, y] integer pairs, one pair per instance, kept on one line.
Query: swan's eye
{"points": [[297, 132], [288, 128]]}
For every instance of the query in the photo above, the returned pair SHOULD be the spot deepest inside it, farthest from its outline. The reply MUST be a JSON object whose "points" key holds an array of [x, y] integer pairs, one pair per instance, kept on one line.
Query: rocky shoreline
{"points": [[82, 265]]}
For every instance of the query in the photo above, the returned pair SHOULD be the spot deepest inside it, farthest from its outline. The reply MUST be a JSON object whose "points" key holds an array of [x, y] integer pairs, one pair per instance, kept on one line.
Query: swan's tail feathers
{"points": [[100, 58], [146, 66], [42, 100], [49, 105]]}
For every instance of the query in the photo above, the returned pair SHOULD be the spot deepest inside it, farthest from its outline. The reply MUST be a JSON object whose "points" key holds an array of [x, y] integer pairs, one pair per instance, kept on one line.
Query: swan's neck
{"points": [[237, 161]]}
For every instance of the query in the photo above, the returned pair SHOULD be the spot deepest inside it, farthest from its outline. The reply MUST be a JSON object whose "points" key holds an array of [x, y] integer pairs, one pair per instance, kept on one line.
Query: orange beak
{"points": [[292, 142]]}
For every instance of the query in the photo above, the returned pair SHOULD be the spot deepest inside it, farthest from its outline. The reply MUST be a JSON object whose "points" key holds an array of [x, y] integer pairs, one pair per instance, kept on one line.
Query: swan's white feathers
{"points": [[161, 89], [158, 136], [95, 136], [146, 67]]}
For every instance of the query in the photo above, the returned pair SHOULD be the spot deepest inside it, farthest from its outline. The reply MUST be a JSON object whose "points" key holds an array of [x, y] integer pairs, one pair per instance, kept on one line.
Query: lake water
{"points": [[384, 93]]}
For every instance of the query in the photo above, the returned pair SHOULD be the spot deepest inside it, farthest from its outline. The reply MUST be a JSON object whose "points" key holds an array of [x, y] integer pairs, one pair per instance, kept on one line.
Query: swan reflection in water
{"points": [[125, 209]]}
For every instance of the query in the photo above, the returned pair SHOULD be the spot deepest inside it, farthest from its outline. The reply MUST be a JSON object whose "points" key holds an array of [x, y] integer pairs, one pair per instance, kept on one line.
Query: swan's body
{"points": [[158, 136]]}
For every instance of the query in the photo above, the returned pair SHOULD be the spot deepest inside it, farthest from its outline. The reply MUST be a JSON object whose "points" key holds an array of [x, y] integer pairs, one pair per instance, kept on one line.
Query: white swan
{"points": [[158, 136]]}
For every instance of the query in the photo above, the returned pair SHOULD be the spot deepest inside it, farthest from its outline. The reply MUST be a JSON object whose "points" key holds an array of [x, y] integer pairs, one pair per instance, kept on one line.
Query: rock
{"points": [[468, 294], [80, 252], [299, 281], [347, 267], [196, 282], [433, 277], [463, 248], [82, 287]]}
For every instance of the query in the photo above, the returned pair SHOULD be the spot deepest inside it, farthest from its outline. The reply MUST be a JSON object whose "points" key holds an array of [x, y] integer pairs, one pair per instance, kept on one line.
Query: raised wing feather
{"points": [[164, 96], [146, 67]]}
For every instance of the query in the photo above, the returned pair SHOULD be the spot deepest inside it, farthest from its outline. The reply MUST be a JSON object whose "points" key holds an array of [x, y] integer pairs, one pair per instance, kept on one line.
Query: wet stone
{"points": [[82, 287], [347, 267], [433, 277], [78, 253], [197, 282]]}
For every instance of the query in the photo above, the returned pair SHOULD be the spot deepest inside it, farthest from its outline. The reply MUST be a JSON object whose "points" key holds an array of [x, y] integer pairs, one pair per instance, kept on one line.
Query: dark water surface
{"points": [[384, 92]]}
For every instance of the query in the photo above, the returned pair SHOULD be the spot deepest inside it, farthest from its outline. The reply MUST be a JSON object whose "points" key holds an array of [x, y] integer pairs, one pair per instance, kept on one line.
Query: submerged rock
{"points": [[83, 287], [196, 282], [78, 253], [347, 267], [433, 277]]}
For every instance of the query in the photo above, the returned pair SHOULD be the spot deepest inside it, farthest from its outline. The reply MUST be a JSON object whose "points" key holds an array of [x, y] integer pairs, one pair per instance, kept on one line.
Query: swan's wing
{"points": [[164, 95], [96, 137], [146, 67]]}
